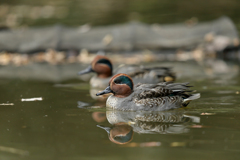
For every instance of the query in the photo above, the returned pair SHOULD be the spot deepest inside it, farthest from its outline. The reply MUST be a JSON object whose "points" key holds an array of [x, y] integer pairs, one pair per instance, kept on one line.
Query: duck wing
{"points": [[144, 91]]}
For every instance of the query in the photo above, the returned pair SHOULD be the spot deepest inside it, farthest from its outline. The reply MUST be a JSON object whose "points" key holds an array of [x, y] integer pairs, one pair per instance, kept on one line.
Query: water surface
{"points": [[60, 127]]}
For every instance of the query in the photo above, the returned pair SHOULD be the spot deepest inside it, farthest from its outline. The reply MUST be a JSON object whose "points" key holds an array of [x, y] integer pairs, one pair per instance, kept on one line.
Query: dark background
{"points": [[14, 13]]}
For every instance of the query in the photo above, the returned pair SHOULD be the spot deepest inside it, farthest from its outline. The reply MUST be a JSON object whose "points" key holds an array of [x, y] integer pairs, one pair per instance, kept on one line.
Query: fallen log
{"points": [[130, 36]]}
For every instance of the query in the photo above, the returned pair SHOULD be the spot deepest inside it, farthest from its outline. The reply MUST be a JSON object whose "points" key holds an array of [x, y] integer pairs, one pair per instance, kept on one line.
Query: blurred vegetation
{"points": [[15, 13]]}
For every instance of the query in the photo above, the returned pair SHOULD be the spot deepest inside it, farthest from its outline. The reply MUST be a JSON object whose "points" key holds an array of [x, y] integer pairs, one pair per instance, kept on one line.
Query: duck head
{"points": [[101, 65], [121, 85]]}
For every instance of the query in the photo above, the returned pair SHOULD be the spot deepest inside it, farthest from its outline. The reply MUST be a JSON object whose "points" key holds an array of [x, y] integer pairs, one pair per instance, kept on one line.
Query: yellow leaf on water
{"points": [[178, 144]]}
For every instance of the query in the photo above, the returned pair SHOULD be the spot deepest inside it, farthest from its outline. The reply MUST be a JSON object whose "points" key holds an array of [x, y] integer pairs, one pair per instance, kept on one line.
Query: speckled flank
{"points": [[160, 101], [123, 104], [154, 92], [111, 102]]}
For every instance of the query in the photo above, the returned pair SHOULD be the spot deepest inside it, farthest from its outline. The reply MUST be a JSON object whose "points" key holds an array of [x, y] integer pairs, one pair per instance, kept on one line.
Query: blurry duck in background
{"points": [[139, 74], [146, 97]]}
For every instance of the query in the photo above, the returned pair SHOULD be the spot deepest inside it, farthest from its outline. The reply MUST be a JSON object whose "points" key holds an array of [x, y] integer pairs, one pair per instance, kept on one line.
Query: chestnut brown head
{"points": [[101, 65], [121, 85]]}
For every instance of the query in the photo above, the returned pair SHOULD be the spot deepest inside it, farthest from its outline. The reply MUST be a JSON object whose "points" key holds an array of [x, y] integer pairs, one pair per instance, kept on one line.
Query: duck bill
{"points": [[106, 91], [107, 129], [87, 70]]}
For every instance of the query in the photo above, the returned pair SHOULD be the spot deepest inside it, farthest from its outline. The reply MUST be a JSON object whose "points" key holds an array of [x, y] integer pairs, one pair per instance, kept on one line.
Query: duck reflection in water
{"points": [[119, 133], [124, 124], [97, 116]]}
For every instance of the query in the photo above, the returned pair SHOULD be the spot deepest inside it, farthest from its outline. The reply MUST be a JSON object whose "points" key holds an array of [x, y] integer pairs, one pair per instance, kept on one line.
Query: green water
{"points": [[57, 127]]}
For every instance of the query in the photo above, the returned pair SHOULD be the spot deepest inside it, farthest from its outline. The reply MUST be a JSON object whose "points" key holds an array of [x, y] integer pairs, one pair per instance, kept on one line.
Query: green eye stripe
{"points": [[105, 61], [124, 80]]}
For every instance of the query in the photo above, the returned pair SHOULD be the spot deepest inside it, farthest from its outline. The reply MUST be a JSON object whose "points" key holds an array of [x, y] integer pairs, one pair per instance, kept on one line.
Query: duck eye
{"points": [[117, 81]]}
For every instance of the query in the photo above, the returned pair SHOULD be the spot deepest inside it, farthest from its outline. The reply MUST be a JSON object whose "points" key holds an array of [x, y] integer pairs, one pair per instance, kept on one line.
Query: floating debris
{"points": [[207, 114], [197, 126], [32, 99], [150, 144], [224, 92], [96, 107], [6, 104], [14, 151], [146, 144], [178, 144]]}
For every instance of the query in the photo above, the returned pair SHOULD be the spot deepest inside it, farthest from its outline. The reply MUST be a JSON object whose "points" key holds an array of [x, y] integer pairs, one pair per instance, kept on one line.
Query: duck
{"points": [[146, 97], [103, 67]]}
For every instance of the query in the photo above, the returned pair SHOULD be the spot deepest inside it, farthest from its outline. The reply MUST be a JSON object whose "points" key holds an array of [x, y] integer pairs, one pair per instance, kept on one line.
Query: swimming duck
{"points": [[104, 69], [146, 97]]}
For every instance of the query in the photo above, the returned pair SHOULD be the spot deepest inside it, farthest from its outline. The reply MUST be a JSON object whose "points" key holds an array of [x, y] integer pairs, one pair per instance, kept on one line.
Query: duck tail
{"points": [[192, 97]]}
